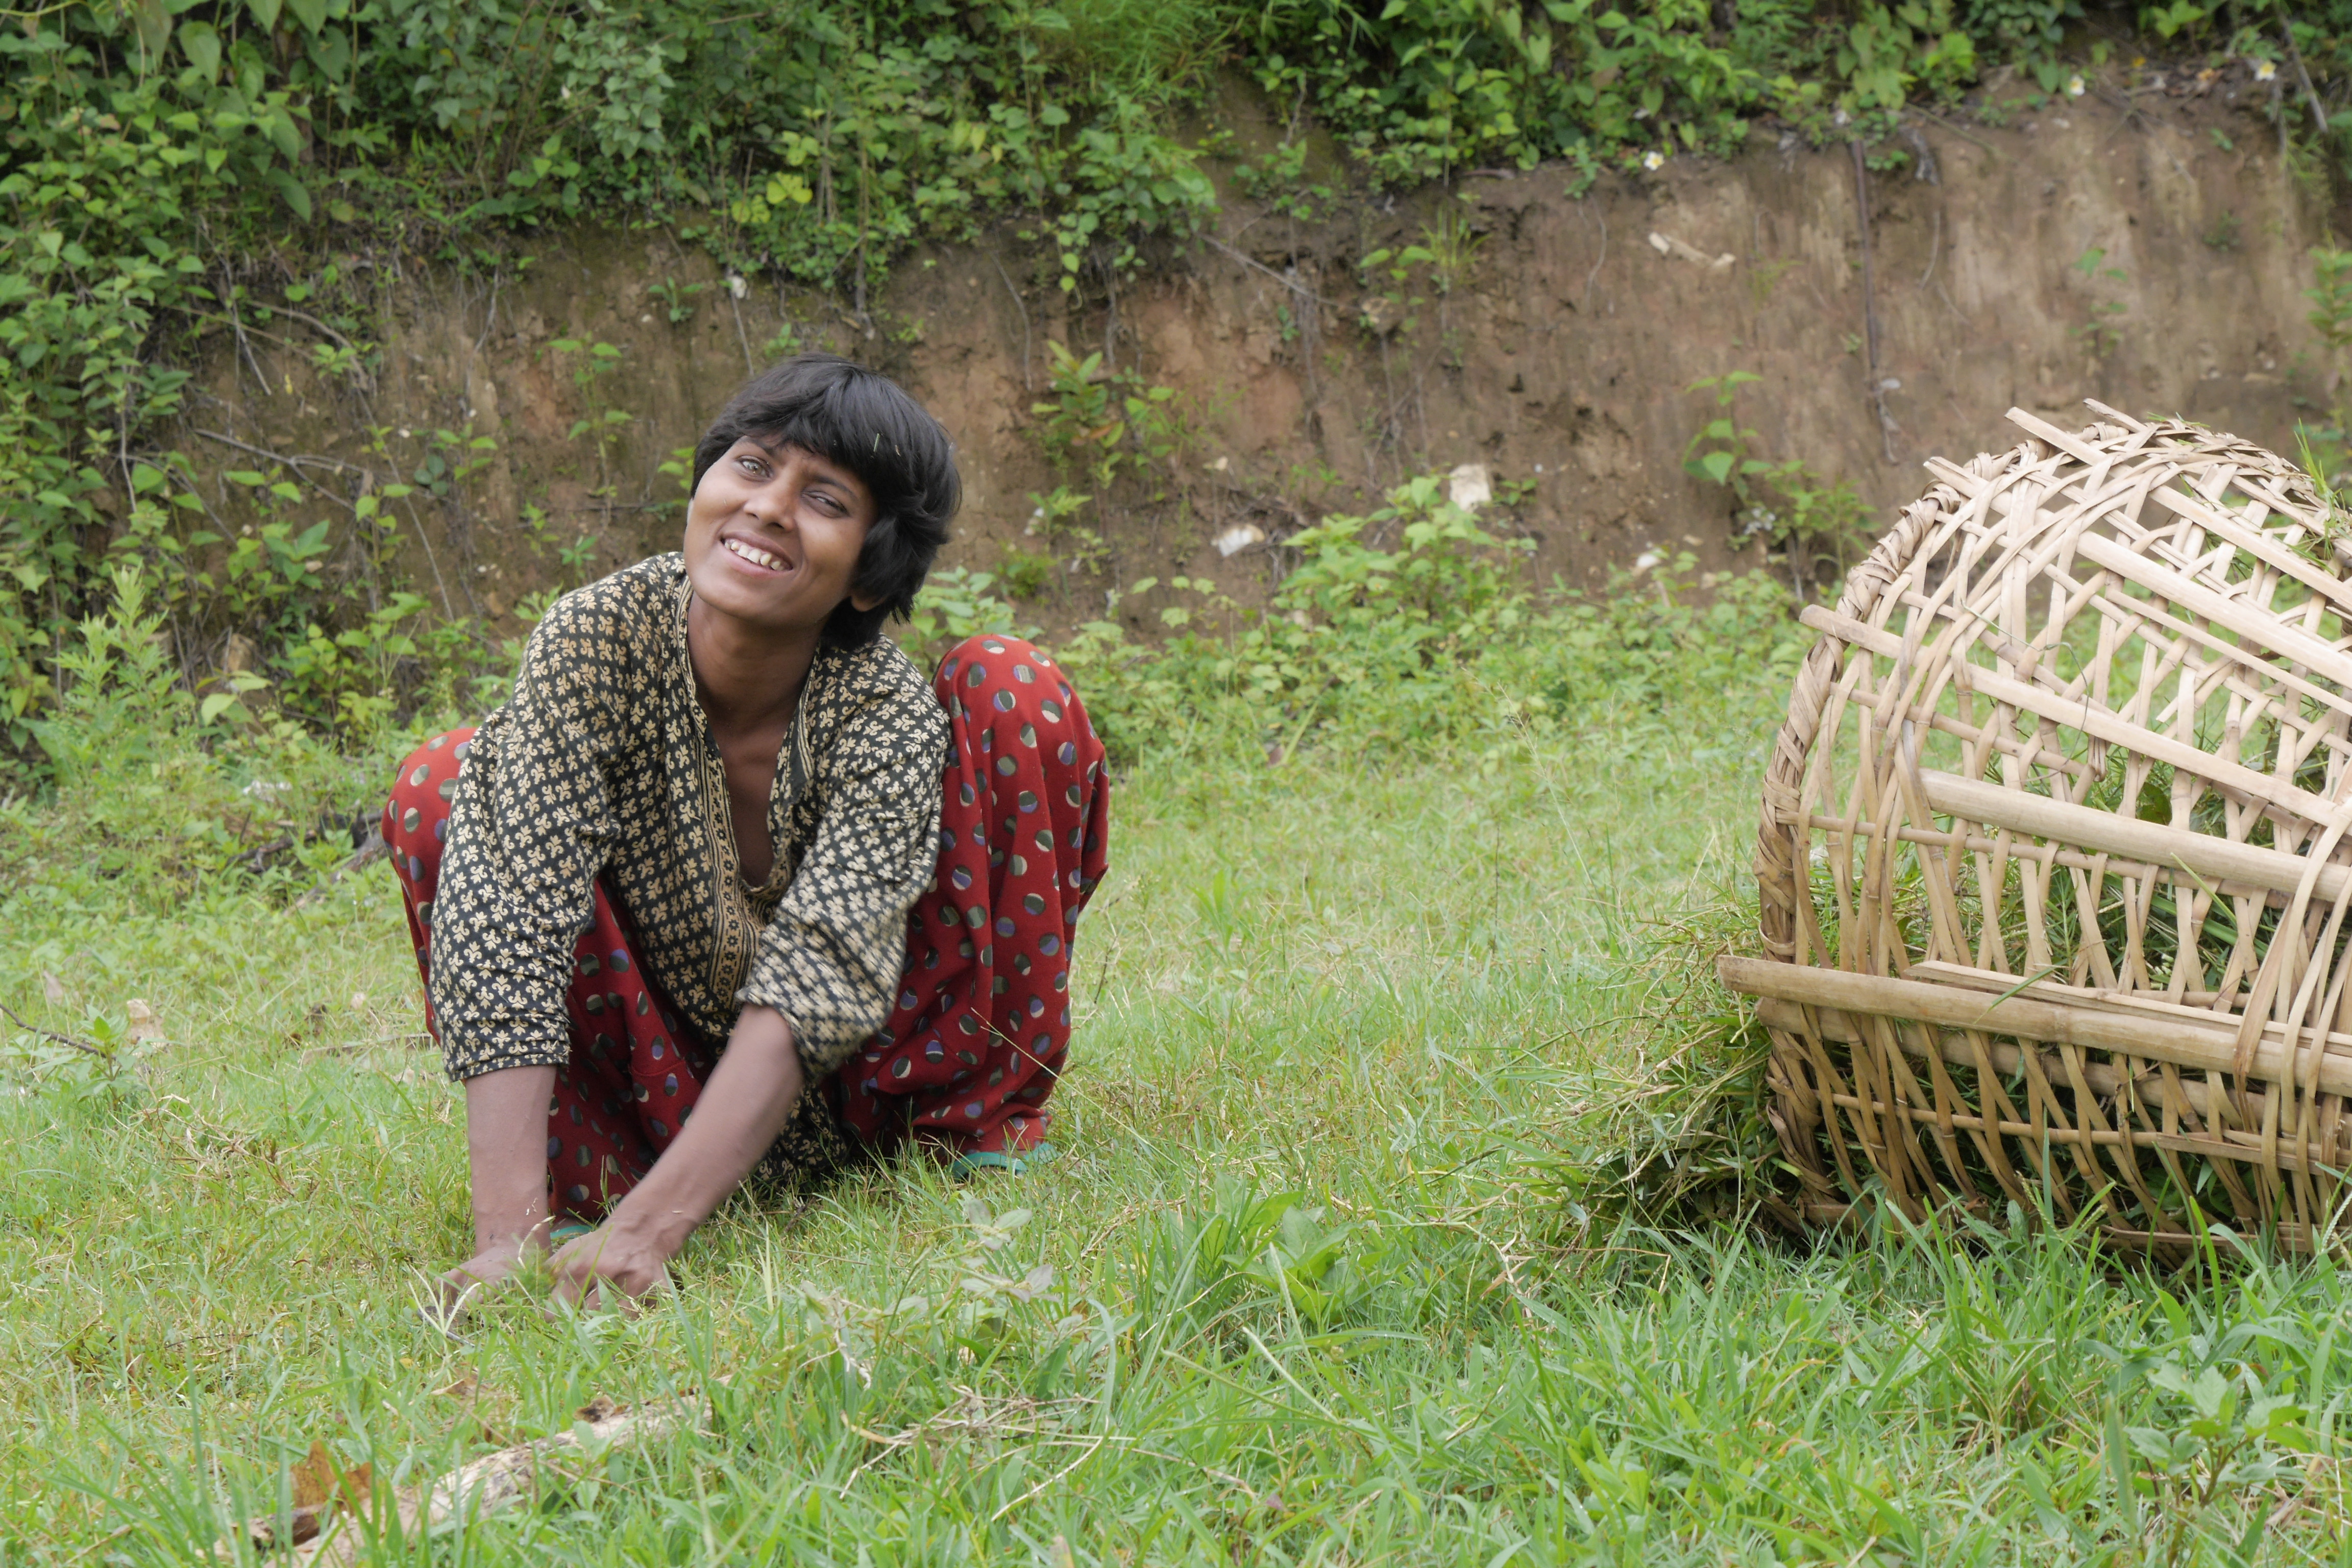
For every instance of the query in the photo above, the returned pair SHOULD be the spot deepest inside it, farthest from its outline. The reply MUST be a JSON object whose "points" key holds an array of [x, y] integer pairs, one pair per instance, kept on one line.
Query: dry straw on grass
{"points": [[2053, 860]]}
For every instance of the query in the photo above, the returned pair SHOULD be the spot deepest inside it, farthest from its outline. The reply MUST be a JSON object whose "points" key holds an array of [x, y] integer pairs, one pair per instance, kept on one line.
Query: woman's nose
{"points": [[770, 505]]}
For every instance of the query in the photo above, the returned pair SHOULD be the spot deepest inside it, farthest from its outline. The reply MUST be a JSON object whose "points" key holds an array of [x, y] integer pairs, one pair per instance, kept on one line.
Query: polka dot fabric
{"points": [[982, 1027], [632, 1079]]}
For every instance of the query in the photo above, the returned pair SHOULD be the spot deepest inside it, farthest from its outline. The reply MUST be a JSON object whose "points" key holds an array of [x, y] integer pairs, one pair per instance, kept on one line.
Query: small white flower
{"points": [[2074, 87], [736, 286], [2265, 69], [1647, 559], [1654, 161]]}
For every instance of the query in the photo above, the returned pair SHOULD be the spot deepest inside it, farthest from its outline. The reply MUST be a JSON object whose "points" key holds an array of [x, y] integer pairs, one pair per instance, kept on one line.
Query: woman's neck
{"points": [[749, 678]]}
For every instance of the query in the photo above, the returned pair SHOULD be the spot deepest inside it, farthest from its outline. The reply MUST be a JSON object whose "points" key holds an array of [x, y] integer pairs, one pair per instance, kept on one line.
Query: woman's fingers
{"points": [[575, 1268], [486, 1270], [599, 1270], [460, 1288]]}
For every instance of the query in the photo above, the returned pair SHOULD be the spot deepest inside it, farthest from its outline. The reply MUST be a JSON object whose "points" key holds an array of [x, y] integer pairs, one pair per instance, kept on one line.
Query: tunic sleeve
{"points": [[529, 827], [832, 954]]}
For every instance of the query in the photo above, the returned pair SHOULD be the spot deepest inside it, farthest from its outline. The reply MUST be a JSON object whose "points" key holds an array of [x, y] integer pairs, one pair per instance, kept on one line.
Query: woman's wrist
{"points": [[512, 1230], [660, 1225], [744, 1105]]}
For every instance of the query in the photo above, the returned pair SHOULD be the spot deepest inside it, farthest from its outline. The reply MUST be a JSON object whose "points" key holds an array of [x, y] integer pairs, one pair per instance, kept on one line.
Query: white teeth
{"points": [[756, 556]]}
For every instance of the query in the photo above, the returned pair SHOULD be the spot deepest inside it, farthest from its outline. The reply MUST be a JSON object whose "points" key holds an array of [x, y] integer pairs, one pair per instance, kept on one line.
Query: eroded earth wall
{"points": [[2153, 257]]}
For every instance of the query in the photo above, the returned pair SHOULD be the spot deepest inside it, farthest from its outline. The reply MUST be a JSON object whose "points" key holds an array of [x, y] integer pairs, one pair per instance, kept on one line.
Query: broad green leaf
{"points": [[202, 46], [296, 197], [154, 27]]}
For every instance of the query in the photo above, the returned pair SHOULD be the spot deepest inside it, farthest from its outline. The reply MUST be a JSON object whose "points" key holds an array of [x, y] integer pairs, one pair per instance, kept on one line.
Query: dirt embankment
{"points": [[2152, 258]]}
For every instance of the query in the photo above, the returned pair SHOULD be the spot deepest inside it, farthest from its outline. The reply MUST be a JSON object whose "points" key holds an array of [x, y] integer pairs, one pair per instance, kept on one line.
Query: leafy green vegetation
{"points": [[1390, 1058], [1812, 521], [171, 170]]}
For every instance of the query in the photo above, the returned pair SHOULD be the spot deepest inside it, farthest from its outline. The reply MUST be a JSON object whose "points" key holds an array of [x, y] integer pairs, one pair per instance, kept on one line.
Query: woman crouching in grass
{"points": [[727, 893]]}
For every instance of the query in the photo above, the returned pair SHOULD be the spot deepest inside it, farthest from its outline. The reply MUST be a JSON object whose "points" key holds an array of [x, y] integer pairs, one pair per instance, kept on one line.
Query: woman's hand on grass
{"points": [[492, 1266], [746, 1104], [615, 1254], [506, 1155]]}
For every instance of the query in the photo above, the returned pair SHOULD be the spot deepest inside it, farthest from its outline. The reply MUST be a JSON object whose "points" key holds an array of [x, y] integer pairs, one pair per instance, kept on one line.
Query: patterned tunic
{"points": [[602, 765]]}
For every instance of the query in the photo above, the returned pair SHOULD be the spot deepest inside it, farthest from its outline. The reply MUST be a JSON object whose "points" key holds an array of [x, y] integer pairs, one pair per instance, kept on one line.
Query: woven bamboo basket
{"points": [[2054, 858]]}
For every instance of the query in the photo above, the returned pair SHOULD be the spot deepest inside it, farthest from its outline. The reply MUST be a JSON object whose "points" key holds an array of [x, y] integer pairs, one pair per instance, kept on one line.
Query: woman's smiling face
{"points": [[772, 536]]}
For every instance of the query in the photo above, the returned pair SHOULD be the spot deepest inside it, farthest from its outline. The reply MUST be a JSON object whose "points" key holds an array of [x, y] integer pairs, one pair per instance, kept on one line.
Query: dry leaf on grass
{"points": [[52, 989], [143, 1027], [320, 1487], [319, 1480]]}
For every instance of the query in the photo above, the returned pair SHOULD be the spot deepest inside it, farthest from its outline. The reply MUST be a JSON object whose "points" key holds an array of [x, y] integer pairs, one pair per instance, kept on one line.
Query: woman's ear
{"points": [[866, 603]]}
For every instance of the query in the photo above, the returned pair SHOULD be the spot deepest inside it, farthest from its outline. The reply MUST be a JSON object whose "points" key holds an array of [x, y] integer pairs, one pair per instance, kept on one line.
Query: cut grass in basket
{"points": [[1679, 1137]]}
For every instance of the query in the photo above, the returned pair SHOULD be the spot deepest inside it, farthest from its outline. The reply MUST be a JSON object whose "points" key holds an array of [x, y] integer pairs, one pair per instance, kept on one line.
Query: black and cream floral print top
{"points": [[602, 765]]}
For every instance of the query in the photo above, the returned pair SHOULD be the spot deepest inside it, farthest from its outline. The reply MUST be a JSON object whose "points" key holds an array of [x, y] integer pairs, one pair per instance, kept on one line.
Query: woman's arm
{"points": [[750, 1096], [506, 1157], [823, 980], [531, 826]]}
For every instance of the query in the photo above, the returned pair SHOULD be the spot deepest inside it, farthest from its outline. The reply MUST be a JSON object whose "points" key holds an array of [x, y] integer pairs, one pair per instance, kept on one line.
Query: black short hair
{"points": [[865, 421]]}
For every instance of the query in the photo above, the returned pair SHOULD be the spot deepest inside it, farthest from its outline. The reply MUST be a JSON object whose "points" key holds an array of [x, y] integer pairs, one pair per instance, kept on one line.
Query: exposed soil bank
{"points": [[1559, 359]]}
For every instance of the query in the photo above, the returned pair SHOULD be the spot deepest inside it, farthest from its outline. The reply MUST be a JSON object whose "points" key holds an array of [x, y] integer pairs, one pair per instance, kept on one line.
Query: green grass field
{"points": [[1316, 1294]]}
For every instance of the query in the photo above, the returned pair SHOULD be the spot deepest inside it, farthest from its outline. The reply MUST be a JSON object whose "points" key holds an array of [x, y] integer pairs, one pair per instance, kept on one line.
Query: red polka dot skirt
{"points": [[967, 1058]]}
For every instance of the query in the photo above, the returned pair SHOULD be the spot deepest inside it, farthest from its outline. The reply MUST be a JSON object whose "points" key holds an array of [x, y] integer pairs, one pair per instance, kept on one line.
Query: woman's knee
{"points": [[982, 647], [415, 817], [1023, 674]]}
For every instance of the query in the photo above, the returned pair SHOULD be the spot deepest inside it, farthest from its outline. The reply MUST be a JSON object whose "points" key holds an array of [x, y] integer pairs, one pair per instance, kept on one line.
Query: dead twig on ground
{"points": [[368, 854], [736, 305], [1870, 303], [82, 1046], [326, 1535], [1020, 305], [2310, 93], [1940, 120]]}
